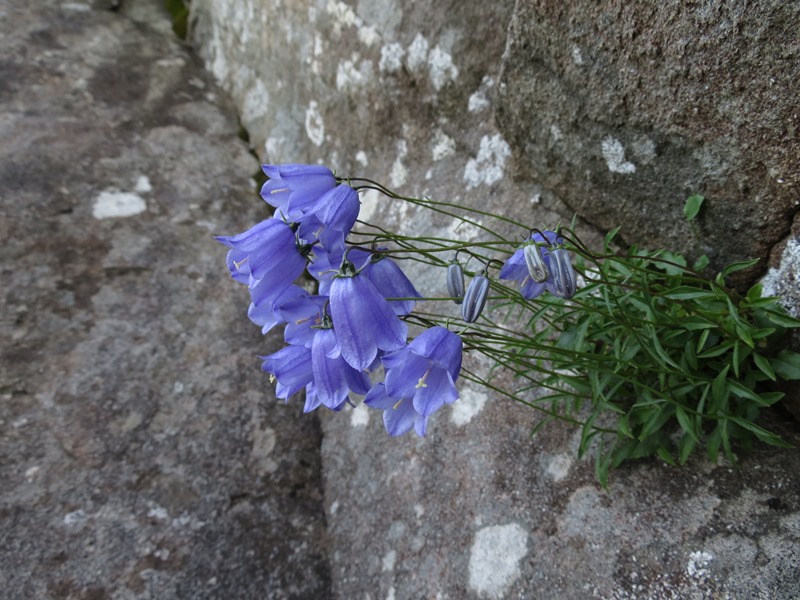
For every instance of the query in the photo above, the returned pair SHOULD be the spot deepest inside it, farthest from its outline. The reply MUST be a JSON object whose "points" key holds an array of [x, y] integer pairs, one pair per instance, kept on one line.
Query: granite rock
{"points": [[142, 452], [626, 110], [408, 94]]}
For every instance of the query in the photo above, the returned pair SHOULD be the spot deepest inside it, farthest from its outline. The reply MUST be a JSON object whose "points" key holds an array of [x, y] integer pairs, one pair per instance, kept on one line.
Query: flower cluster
{"points": [[542, 263], [354, 324]]}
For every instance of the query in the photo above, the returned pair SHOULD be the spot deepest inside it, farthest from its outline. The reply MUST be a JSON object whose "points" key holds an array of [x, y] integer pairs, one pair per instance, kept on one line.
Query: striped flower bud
{"points": [[563, 275], [455, 282], [534, 260], [475, 298]]}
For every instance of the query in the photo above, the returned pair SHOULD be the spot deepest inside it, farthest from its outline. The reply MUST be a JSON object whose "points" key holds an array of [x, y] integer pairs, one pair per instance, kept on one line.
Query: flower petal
{"points": [[440, 390], [400, 418]]}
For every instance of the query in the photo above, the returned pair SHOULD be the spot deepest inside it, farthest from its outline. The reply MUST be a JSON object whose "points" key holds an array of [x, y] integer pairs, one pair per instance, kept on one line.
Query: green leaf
{"points": [[716, 350], [771, 398], [786, 365], [664, 455], [692, 206], [763, 364], [610, 236], [686, 422], [782, 319], [623, 427], [754, 293], [693, 323], [719, 386], [685, 447], [701, 263], [739, 266], [762, 434], [743, 392], [726, 441], [713, 441], [687, 292], [702, 341]]}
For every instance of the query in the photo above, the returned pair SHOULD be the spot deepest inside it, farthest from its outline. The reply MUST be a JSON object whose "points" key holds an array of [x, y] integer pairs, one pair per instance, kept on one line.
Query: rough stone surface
{"points": [[625, 110], [407, 94], [142, 454]]}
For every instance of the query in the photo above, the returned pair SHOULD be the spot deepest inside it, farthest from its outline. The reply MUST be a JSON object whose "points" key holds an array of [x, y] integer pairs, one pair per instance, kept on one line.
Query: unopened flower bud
{"points": [[455, 282], [563, 274], [537, 268], [475, 298]]}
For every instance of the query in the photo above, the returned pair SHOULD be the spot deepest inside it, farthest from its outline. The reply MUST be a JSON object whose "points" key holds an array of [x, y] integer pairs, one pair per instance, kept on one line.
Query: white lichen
{"points": [[441, 67], [491, 571], [315, 126], [111, 204], [614, 153], [391, 58], [487, 168]]}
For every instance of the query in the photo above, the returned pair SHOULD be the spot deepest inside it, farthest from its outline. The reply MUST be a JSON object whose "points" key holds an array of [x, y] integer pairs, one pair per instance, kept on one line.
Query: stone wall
{"points": [[625, 110], [446, 100]]}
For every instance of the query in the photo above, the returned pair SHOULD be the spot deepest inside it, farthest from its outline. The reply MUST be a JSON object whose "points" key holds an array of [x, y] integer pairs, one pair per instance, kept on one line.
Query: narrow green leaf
{"points": [[735, 358], [744, 335], [541, 424], [786, 365], [762, 434], [743, 392], [685, 447], [692, 206], [702, 341], [719, 385], [610, 236], [624, 427], [664, 455], [713, 442], [601, 464], [661, 352], [687, 292], [763, 364], [694, 323], [726, 441], [783, 319], [716, 350], [686, 422], [739, 266]]}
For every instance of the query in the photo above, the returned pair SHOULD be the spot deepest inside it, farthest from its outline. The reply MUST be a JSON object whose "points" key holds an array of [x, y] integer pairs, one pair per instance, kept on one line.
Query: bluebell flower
{"points": [[268, 314], [364, 321], [516, 267], [318, 367], [399, 416], [267, 250], [325, 264], [293, 188], [390, 281], [337, 211], [334, 379], [291, 366], [420, 379]]}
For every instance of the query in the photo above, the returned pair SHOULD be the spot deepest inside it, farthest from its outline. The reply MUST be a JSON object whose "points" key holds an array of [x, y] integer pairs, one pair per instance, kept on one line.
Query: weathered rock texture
{"points": [[624, 110], [406, 93], [141, 453]]}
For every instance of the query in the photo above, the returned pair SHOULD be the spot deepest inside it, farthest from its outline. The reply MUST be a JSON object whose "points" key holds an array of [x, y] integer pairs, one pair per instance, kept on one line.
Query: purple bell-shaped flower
{"points": [[420, 378], [364, 321], [293, 188]]}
